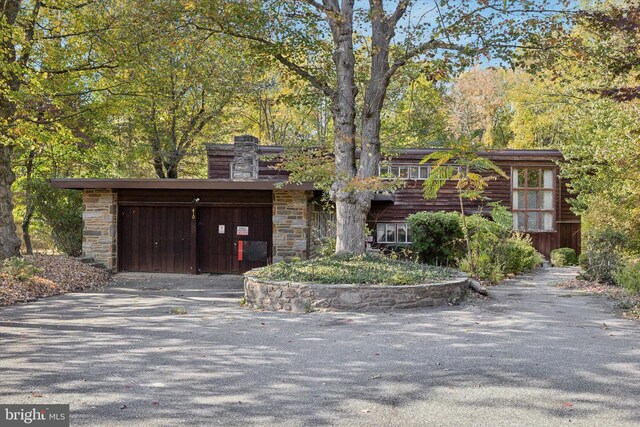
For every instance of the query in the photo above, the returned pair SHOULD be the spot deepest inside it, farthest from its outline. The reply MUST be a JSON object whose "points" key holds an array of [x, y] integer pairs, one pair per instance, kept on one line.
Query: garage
{"points": [[194, 231]]}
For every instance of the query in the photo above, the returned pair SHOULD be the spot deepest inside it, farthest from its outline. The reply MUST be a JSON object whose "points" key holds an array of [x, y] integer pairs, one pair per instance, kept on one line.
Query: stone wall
{"points": [[302, 297], [100, 216], [290, 224]]}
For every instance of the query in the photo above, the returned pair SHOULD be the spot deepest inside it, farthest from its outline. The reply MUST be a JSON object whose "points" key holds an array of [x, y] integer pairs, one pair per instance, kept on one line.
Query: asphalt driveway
{"points": [[533, 354]]}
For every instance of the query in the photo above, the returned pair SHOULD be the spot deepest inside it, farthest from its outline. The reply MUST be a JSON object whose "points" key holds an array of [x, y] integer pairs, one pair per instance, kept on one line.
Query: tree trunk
{"points": [[9, 241], [351, 210], [26, 223], [351, 218], [26, 220]]}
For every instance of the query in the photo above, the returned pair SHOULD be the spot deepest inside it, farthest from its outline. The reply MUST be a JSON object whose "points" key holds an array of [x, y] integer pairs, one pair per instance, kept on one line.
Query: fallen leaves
{"points": [[58, 275], [629, 304]]}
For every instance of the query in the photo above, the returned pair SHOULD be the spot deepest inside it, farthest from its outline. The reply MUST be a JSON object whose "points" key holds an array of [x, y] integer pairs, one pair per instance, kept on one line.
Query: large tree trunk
{"points": [[353, 205], [9, 241], [350, 210]]}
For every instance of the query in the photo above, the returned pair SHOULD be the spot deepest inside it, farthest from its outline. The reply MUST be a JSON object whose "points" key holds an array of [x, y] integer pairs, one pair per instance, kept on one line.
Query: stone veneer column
{"points": [[245, 157], [100, 216], [290, 224]]}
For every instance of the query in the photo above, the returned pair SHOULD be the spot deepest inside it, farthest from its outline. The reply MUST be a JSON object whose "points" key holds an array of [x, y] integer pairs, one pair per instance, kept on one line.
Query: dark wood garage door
{"points": [[156, 239], [172, 239], [233, 239]]}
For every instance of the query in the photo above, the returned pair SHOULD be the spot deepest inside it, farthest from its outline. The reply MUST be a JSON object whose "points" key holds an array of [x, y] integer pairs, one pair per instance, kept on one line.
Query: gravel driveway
{"points": [[533, 354]]}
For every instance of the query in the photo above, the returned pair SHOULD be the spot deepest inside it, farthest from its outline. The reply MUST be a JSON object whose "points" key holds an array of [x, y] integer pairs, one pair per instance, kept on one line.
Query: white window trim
{"points": [[553, 189], [395, 225]]}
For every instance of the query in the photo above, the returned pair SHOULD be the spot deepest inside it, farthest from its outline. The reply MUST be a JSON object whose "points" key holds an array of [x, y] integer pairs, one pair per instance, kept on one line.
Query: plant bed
{"points": [[358, 283], [32, 277]]}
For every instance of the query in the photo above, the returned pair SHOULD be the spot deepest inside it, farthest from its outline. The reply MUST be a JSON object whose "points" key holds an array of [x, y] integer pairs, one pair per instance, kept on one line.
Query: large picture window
{"points": [[533, 199], [392, 233]]}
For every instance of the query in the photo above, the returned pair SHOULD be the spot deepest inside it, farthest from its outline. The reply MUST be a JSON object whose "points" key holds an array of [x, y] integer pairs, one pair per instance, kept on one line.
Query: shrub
{"points": [[19, 268], [563, 257], [583, 261], [325, 247], [628, 276], [497, 253], [486, 267], [503, 218], [603, 254], [517, 254], [61, 210], [436, 236]]}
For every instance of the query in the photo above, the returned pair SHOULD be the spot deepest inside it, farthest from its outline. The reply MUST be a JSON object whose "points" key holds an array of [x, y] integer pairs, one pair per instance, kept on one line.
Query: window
{"points": [[414, 172], [392, 233], [533, 199]]}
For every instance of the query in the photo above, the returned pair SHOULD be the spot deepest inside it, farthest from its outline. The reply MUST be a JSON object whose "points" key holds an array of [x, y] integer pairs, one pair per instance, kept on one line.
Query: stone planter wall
{"points": [[301, 297]]}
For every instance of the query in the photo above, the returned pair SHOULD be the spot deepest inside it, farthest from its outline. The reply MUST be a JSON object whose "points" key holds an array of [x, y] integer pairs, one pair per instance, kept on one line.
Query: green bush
{"points": [[603, 255], [496, 252], [563, 257], [503, 218], [19, 268], [583, 261], [628, 276], [517, 254], [61, 210], [486, 267], [436, 237]]}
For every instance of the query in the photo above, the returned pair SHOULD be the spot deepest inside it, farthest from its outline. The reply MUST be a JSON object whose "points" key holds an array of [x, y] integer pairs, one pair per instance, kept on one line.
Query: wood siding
{"points": [[155, 239], [224, 252], [168, 232], [409, 199]]}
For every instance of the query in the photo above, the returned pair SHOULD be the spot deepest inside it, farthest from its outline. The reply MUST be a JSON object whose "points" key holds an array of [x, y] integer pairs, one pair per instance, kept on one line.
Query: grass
{"points": [[360, 270]]}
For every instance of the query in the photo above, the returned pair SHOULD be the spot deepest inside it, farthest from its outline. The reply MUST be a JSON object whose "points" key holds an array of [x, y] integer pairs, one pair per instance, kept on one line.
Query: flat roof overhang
{"points": [[176, 184]]}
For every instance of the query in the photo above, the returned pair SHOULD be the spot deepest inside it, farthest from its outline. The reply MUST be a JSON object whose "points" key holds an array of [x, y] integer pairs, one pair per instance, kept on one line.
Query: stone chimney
{"points": [[245, 157]]}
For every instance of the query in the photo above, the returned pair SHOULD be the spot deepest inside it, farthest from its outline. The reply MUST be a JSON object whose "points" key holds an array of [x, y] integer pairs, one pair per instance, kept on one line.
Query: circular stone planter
{"points": [[304, 297]]}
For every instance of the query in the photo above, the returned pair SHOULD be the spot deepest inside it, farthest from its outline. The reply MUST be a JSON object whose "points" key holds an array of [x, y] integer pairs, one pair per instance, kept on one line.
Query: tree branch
{"points": [[297, 69], [423, 48], [399, 12], [87, 67]]}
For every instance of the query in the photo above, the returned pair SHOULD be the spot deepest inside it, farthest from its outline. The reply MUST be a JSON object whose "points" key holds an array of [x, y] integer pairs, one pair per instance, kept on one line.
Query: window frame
{"points": [[541, 189], [409, 168], [406, 167], [395, 226]]}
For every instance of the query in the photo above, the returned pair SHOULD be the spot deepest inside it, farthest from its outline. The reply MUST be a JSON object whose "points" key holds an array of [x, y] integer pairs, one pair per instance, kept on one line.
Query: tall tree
{"points": [[173, 83], [477, 102], [358, 40], [10, 81], [584, 98], [40, 41]]}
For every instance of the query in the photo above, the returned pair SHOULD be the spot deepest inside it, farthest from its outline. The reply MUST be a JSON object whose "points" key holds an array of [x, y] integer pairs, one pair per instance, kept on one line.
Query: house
{"points": [[246, 215]]}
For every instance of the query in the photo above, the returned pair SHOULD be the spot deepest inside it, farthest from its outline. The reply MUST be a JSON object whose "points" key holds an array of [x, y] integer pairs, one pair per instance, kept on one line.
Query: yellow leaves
{"points": [[188, 5], [374, 183]]}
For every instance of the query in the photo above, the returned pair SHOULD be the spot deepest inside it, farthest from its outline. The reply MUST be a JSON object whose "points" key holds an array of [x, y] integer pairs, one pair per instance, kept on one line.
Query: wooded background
{"points": [[121, 88]]}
